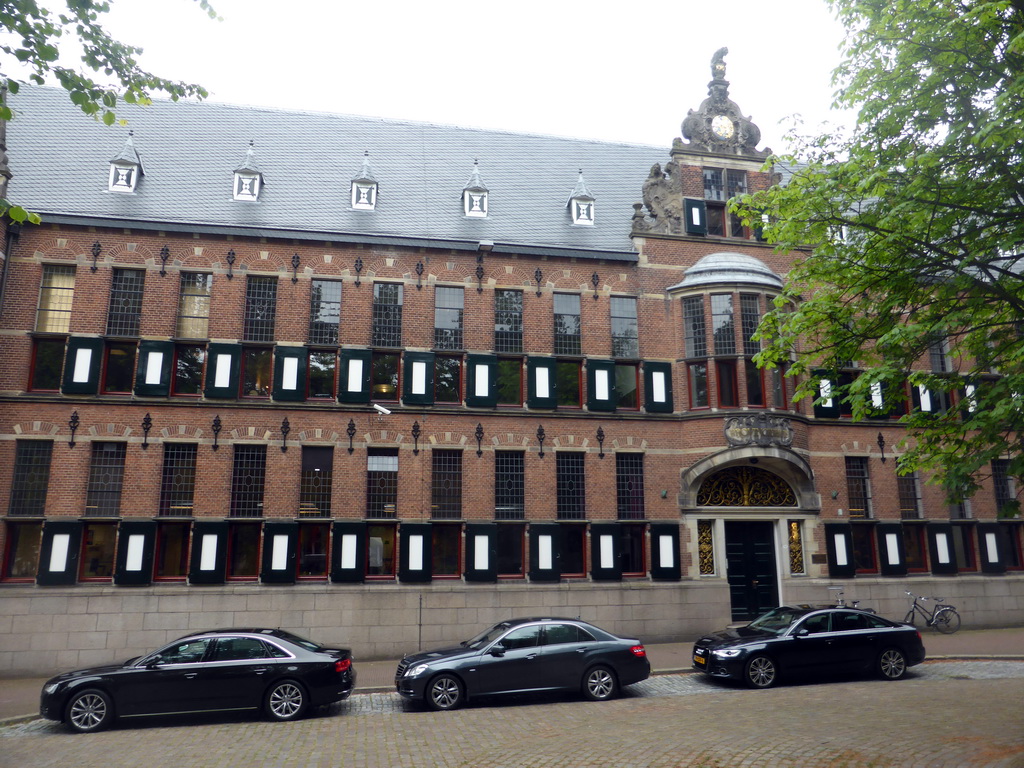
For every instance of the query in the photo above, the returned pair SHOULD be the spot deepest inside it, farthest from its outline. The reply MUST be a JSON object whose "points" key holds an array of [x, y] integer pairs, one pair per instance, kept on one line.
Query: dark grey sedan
{"points": [[524, 656]]}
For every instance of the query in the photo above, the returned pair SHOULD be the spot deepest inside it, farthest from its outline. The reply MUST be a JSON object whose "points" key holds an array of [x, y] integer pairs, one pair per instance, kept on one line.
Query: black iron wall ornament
{"points": [[295, 268], [73, 425], [538, 276], [595, 281], [165, 254], [540, 439], [479, 273], [479, 435], [351, 432], [416, 432], [147, 424], [285, 429], [881, 446], [419, 275], [359, 268], [231, 263], [216, 431], [96, 250], [600, 442]]}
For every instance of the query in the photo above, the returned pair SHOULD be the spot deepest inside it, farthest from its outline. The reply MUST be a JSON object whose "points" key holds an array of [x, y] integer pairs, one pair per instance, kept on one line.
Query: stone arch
{"points": [[783, 463]]}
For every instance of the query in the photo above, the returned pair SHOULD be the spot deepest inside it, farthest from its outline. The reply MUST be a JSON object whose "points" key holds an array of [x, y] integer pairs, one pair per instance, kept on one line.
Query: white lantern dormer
{"points": [[125, 168], [581, 204], [474, 195], [248, 179], [364, 187]]}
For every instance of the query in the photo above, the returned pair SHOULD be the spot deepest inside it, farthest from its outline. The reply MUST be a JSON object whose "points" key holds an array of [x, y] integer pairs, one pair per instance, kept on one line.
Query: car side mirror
{"points": [[497, 650], [803, 632]]}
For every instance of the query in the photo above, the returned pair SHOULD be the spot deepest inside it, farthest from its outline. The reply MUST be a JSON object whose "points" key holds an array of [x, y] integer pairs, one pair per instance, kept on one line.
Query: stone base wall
{"points": [[47, 630]]}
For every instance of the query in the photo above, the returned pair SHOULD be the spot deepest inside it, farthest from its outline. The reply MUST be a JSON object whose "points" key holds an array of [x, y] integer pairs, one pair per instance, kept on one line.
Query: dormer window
{"points": [[364, 188], [581, 204], [248, 179], [474, 195], [125, 169]]}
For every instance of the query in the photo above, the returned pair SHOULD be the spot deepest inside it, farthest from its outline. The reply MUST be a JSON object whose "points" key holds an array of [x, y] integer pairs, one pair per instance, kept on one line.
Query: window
{"points": [[750, 318], [910, 496], [194, 305], [106, 479], [697, 374], [629, 485], [509, 550], [178, 479], [47, 364], [1011, 546], [728, 386], [694, 328], [31, 477], [719, 186], [722, 324], [257, 371], [508, 321], [625, 341], [569, 384], [21, 560], [324, 312], [446, 485], [56, 293], [627, 386], [447, 379], [98, 550], [260, 308], [119, 367], [171, 556], [509, 383], [384, 372], [567, 324], [446, 543], [938, 355], [631, 548], [382, 482], [380, 555], [188, 369], [1003, 486], [315, 481], [243, 561], [509, 485], [960, 510], [322, 372], [858, 488], [914, 546], [573, 552], [570, 486], [248, 477], [387, 315], [125, 311], [313, 544], [963, 548], [448, 307], [863, 541]]}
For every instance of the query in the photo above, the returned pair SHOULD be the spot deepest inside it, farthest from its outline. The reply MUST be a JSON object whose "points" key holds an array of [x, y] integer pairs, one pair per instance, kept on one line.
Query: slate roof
{"points": [[60, 161]]}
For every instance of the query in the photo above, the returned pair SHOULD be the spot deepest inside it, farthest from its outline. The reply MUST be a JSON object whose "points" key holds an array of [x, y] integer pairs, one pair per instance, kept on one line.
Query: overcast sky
{"points": [[611, 71]]}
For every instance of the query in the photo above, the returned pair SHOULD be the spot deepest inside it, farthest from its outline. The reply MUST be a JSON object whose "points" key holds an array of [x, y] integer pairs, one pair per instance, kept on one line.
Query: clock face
{"points": [[722, 127]]}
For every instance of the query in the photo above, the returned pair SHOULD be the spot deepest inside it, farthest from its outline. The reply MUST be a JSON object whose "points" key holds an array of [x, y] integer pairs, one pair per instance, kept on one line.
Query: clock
{"points": [[722, 127]]}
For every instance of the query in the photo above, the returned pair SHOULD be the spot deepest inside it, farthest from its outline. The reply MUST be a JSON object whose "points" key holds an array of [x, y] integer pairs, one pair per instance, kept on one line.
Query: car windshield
{"points": [[488, 636], [777, 620]]}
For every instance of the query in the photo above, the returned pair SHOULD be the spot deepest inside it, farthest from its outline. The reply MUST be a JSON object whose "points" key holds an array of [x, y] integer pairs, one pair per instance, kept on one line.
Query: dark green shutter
{"points": [[354, 376], [601, 392], [136, 540], [541, 369], [223, 368], [290, 365], [665, 564], [605, 556], [892, 554], [821, 410], [280, 547], [209, 552], [348, 552], [419, 378], [658, 399], [58, 552], [414, 553], [696, 216], [839, 546], [153, 375], [481, 381], [481, 552], [82, 363], [940, 548], [546, 543]]}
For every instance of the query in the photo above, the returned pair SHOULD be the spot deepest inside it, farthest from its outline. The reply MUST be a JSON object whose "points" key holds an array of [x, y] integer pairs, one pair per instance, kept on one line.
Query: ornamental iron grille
{"points": [[629, 485], [315, 481], [448, 309], [382, 483], [194, 305], [260, 308], [508, 321], [55, 298], [106, 479], [625, 340], [387, 315], [446, 485], [125, 310], [567, 324], [178, 483], [32, 460], [509, 485], [706, 547], [570, 486], [796, 548], [248, 480], [745, 487], [324, 312]]}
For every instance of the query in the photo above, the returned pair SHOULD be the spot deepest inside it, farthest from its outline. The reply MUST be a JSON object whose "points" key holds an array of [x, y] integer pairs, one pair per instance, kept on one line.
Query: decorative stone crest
{"points": [[761, 430]]}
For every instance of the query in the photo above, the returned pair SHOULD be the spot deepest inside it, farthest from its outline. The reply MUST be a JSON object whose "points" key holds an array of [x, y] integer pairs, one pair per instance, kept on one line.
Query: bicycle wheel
{"points": [[909, 618], [947, 621]]}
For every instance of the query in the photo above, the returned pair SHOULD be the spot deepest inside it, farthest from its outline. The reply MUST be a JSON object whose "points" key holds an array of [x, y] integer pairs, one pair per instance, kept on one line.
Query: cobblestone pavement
{"points": [[953, 714]]}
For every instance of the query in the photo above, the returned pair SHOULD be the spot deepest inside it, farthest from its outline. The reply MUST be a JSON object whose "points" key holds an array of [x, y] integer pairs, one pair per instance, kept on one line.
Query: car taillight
{"points": [[638, 650], [342, 665]]}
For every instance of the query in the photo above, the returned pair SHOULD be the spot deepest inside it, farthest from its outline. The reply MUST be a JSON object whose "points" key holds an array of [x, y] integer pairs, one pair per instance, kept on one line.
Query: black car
{"points": [[217, 671], [805, 640], [524, 656]]}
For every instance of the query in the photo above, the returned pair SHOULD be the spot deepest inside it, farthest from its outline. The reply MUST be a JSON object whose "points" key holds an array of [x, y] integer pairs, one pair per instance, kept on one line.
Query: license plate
{"points": [[699, 660]]}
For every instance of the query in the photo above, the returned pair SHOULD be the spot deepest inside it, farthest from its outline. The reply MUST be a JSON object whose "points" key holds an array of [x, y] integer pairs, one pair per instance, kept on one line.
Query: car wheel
{"points": [[89, 711], [286, 700], [761, 672], [599, 684], [909, 618], [444, 693], [892, 664], [947, 621]]}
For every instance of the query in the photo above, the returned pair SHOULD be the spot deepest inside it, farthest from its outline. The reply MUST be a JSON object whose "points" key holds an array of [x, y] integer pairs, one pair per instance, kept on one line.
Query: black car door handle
{"points": [[581, 650], [531, 657], [190, 675], [261, 670]]}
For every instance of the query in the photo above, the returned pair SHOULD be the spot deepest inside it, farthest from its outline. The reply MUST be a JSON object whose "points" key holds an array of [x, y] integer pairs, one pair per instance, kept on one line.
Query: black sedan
{"points": [[217, 671], [805, 640], [524, 656]]}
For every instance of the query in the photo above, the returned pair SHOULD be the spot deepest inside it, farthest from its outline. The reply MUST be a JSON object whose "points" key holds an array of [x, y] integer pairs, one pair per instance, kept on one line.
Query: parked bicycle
{"points": [[943, 617], [841, 601]]}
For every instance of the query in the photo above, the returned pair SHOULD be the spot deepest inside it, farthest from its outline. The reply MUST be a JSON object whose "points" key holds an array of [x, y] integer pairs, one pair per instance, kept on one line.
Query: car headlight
{"points": [[728, 653], [419, 669], [51, 688]]}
